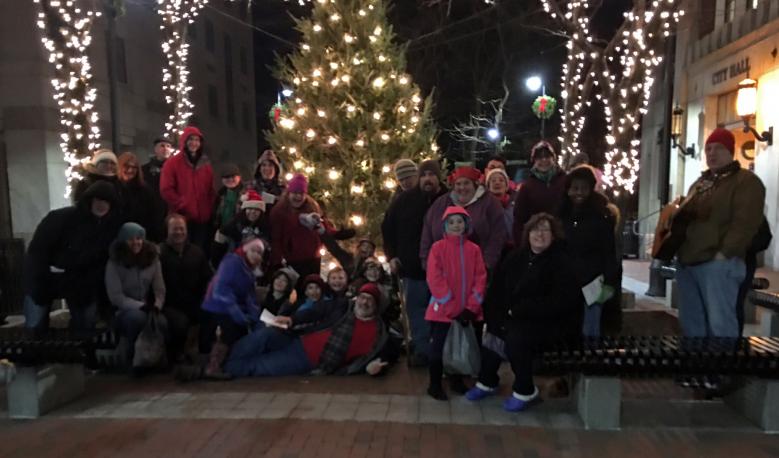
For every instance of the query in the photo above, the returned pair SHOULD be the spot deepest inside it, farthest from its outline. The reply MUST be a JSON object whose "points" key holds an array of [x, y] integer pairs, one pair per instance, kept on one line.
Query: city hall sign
{"points": [[738, 68]]}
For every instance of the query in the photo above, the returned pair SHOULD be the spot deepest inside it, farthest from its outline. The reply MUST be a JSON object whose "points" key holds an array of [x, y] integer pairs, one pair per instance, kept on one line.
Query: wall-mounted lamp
{"points": [[677, 117], [746, 107]]}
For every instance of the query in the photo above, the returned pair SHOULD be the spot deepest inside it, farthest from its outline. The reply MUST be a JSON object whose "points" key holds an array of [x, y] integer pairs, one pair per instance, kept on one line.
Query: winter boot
{"points": [[219, 351]]}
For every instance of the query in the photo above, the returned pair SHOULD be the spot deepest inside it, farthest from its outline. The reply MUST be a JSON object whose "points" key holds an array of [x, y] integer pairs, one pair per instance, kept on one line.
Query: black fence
{"points": [[11, 292]]}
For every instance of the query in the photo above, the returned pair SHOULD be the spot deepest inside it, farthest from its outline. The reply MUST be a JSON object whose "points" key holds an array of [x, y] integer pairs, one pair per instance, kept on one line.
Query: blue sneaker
{"points": [[477, 394], [514, 404]]}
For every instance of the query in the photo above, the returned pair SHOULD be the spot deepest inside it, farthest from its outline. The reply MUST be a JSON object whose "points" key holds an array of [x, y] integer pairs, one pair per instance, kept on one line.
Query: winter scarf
{"points": [[547, 176]]}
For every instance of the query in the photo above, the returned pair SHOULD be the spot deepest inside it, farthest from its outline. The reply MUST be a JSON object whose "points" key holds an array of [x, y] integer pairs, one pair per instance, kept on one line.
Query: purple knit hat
{"points": [[298, 183]]}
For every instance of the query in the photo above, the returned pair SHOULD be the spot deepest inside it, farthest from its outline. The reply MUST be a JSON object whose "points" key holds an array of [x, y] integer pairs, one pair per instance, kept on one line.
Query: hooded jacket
{"points": [[128, 278], [189, 188], [72, 239], [535, 195], [291, 240], [455, 274], [488, 226], [274, 186]]}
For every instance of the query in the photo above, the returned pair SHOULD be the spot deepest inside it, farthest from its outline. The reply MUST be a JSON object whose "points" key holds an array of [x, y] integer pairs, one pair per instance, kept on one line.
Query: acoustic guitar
{"points": [[671, 230]]}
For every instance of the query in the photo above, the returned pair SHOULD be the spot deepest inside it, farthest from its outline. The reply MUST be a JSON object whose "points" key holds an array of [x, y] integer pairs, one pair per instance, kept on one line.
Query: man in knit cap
{"points": [[407, 174], [723, 211], [402, 232]]}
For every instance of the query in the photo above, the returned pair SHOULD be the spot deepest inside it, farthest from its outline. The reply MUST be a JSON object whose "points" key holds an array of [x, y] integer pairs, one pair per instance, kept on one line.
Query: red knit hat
{"points": [[724, 137], [314, 278], [373, 290], [465, 172]]}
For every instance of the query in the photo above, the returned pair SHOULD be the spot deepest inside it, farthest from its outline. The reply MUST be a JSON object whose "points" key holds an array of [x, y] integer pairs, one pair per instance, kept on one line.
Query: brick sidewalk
{"points": [[52, 437]]}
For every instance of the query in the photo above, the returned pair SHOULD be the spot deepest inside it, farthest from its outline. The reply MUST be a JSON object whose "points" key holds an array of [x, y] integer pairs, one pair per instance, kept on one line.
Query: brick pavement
{"points": [[288, 438]]}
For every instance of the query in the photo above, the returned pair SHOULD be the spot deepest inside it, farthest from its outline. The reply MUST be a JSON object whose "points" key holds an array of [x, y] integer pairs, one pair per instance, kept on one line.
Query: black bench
{"points": [[752, 362], [46, 369], [769, 316]]}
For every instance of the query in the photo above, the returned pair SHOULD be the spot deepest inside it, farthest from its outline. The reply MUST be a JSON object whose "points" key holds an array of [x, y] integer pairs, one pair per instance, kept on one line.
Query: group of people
{"points": [[513, 257], [525, 264]]}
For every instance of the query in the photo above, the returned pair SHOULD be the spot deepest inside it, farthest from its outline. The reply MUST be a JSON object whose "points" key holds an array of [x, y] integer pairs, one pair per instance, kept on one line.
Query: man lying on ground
{"points": [[358, 342]]}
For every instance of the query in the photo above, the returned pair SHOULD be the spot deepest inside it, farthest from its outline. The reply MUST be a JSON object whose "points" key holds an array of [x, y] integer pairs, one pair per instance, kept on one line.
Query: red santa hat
{"points": [[252, 200]]}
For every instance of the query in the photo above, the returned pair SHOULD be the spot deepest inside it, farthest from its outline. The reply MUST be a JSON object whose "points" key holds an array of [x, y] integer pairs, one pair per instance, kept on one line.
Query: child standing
{"points": [[457, 279]]}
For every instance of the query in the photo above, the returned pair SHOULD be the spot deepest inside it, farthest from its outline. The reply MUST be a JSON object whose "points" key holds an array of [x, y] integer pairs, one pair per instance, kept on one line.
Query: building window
{"points": [[245, 115], [213, 101], [230, 95], [243, 61], [726, 109], [210, 40], [730, 10], [752, 4], [121, 61], [707, 18]]}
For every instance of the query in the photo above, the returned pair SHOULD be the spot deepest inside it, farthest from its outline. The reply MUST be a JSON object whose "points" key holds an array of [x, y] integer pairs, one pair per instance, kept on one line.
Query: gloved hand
{"points": [[465, 317], [606, 293]]}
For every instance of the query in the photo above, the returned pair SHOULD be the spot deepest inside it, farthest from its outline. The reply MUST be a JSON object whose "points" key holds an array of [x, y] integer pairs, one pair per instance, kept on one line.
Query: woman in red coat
{"points": [[187, 185]]}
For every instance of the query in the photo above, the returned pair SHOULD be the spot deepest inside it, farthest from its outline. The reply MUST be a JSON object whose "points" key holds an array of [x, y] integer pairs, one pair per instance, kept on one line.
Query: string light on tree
{"points": [[176, 16], [374, 113], [618, 73], [66, 34]]}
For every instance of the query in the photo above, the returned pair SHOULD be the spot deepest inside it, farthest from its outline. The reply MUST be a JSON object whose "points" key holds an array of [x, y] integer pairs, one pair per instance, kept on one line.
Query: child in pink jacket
{"points": [[457, 279]]}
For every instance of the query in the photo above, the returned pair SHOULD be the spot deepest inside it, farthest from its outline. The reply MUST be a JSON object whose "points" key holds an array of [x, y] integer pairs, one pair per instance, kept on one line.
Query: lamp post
{"points": [[677, 117]]}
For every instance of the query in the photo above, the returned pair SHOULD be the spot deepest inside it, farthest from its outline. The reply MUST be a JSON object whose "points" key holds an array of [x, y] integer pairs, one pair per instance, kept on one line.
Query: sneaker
{"points": [[479, 392], [518, 403], [437, 393]]}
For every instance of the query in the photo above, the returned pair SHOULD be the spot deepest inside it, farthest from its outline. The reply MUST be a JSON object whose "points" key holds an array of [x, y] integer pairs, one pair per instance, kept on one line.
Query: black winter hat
{"points": [[581, 172], [101, 189]]}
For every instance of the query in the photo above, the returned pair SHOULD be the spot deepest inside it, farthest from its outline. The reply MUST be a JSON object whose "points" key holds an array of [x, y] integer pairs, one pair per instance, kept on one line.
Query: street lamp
{"points": [[286, 92], [534, 83], [677, 117], [493, 134], [746, 107]]}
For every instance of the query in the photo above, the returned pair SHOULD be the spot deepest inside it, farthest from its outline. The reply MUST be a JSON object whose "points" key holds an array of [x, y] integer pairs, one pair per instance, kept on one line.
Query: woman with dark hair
{"points": [[139, 203], [589, 230], [250, 222], [533, 301], [541, 191], [267, 178]]}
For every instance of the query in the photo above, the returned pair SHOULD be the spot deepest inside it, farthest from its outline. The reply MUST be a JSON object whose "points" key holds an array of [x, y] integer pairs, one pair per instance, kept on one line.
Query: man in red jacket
{"points": [[187, 185]]}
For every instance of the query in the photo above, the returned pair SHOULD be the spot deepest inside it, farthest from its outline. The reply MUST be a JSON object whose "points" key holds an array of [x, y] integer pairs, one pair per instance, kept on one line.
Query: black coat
{"points": [[589, 235], [151, 176], [402, 229], [140, 207], [536, 294], [76, 241], [186, 278]]}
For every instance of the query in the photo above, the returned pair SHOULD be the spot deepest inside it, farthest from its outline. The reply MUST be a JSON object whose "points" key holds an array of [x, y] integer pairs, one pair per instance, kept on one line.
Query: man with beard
{"points": [[402, 232]]}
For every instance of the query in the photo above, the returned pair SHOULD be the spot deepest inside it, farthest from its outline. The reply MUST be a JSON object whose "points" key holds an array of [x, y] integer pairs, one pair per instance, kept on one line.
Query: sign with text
{"points": [[725, 73]]}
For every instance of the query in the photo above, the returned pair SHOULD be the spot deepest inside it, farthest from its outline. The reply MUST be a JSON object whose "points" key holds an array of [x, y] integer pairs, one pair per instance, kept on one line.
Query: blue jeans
{"points": [[591, 325], [129, 324], [708, 296], [417, 295], [268, 352], [36, 316]]}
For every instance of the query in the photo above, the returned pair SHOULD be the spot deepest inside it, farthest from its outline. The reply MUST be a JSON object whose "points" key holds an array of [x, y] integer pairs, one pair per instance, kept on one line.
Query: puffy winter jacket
{"points": [[455, 274], [188, 188], [231, 291]]}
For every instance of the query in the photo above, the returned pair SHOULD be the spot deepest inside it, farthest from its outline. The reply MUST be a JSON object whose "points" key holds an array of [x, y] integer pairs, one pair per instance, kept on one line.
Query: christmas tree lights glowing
{"points": [[66, 35], [176, 17], [356, 111]]}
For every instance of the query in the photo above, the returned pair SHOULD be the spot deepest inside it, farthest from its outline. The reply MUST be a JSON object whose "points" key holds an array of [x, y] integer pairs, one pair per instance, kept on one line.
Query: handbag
{"points": [[150, 351], [461, 350]]}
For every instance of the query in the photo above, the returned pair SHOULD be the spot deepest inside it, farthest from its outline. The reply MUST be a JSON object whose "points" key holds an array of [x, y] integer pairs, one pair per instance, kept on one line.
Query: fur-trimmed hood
{"points": [[120, 254]]}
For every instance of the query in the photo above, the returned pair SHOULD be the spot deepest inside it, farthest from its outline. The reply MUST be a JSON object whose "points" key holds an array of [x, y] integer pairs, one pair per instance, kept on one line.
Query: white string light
{"points": [[619, 74], [177, 15], [66, 35]]}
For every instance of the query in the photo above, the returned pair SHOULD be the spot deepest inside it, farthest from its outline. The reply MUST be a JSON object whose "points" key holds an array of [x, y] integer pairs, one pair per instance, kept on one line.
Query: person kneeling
{"points": [[355, 343]]}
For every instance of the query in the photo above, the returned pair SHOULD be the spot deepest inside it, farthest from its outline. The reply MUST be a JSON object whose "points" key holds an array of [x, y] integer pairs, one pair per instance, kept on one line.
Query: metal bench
{"points": [[769, 317], [48, 368], [753, 362]]}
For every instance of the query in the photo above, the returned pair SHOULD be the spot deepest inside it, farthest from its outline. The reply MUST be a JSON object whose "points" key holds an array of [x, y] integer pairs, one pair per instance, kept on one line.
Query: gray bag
{"points": [[150, 349], [461, 350]]}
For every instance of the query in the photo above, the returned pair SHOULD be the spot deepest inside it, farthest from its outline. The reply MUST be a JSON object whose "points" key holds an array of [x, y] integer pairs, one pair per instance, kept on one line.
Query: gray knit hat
{"points": [[405, 168]]}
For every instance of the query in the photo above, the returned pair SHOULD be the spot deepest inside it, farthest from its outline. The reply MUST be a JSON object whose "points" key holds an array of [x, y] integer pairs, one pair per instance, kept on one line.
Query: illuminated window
{"points": [[730, 10]]}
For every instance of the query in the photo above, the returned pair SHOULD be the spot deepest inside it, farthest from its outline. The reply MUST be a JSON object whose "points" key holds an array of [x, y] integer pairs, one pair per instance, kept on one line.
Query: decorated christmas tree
{"points": [[354, 111]]}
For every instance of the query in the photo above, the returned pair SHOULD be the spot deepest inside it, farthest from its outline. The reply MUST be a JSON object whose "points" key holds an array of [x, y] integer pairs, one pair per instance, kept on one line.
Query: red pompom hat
{"points": [[724, 137], [465, 172]]}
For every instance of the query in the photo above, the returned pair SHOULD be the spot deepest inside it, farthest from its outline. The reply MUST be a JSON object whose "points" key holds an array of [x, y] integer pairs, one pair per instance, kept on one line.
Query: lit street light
{"points": [[534, 83], [493, 133], [286, 92]]}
